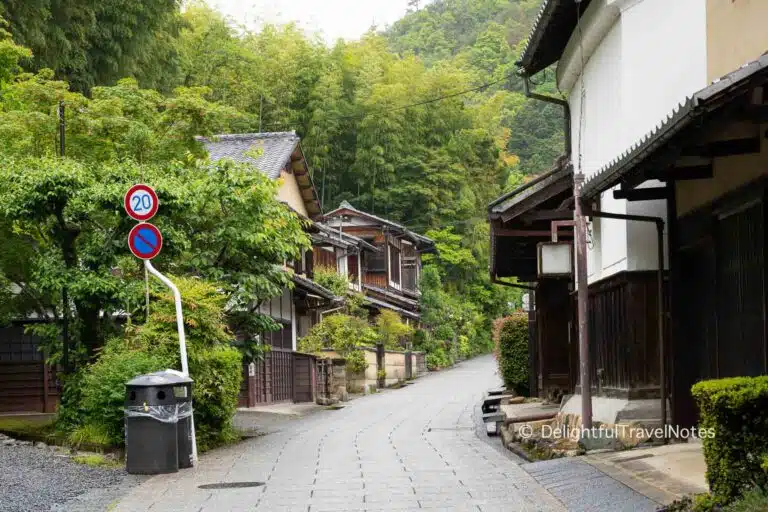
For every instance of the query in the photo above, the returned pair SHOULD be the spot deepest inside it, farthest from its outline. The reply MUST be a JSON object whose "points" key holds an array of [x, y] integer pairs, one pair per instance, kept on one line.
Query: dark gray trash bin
{"points": [[151, 421], [182, 391]]}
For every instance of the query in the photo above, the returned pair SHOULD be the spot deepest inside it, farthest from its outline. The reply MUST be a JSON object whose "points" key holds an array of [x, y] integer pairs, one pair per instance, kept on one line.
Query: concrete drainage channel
{"points": [[230, 485]]}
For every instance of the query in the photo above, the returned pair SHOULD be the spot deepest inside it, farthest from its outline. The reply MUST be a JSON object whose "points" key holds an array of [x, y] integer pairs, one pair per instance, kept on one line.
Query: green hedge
{"points": [[217, 373], [736, 411], [511, 336]]}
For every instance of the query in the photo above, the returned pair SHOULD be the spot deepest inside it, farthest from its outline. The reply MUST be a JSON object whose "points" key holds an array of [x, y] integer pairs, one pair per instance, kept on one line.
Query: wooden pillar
{"points": [[46, 378]]}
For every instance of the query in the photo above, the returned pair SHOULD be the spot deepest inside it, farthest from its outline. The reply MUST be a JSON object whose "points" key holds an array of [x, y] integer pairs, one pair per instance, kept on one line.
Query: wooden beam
{"points": [[720, 148], [689, 172], [525, 233], [641, 194], [560, 214]]}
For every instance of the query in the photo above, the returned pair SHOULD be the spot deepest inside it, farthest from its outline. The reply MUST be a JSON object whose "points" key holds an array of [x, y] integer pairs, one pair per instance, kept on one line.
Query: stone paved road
{"points": [[400, 450]]}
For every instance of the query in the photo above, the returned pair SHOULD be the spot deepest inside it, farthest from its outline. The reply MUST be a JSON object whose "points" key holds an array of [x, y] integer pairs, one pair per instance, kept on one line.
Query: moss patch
{"points": [[96, 460], [29, 428]]}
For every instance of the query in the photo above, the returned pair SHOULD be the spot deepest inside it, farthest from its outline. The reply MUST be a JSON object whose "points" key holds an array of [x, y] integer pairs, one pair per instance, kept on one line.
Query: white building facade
{"points": [[626, 67]]}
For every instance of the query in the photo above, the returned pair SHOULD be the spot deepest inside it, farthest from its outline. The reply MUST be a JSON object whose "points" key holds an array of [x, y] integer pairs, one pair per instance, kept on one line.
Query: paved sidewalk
{"points": [[664, 473], [584, 488]]}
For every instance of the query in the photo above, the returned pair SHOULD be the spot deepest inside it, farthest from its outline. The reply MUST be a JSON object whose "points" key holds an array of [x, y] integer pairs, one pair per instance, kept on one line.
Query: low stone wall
{"points": [[394, 365]]}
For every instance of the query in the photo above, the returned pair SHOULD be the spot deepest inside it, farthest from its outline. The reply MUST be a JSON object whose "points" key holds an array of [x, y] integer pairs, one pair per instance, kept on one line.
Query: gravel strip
{"points": [[37, 478]]}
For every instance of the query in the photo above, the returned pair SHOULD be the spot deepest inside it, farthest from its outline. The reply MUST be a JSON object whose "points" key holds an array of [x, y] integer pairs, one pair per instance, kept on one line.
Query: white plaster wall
{"points": [[650, 59], [596, 136], [662, 67], [664, 60]]}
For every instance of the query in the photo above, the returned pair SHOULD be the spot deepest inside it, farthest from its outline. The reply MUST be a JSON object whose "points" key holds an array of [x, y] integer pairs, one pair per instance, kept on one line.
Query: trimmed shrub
{"points": [[393, 333], [356, 362], [752, 501], [104, 386], [511, 337], [736, 410], [215, 393]]}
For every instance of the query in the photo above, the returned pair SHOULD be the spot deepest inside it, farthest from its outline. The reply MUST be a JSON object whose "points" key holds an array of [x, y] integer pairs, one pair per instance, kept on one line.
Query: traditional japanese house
{"points": [[669, 135], [389, 275], [284, 375], [520, 220]]}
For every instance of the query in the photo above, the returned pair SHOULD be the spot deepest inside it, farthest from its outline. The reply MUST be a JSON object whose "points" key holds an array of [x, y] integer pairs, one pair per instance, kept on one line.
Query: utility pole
{"points": [[261, 114], [582, 299]]}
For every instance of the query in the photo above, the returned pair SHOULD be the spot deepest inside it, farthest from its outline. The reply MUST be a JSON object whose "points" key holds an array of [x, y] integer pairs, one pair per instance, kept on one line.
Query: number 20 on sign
{"points": [[141, 202]]}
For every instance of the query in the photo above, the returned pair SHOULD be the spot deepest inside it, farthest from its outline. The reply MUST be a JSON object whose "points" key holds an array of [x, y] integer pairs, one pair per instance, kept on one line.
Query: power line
{"points": [[412, 105]]}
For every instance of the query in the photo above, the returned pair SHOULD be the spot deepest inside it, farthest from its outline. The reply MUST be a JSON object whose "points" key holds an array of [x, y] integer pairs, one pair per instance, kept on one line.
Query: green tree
{"points": [[220, 222], [95, 43]]}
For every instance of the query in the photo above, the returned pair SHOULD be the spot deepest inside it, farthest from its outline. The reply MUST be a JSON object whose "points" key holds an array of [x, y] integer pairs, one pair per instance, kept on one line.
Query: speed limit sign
{"points": [[141, 202]]}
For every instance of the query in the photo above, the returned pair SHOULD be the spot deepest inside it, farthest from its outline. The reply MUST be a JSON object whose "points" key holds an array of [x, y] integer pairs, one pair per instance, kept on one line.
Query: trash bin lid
{"points": [[164, 378], [174, 377]]}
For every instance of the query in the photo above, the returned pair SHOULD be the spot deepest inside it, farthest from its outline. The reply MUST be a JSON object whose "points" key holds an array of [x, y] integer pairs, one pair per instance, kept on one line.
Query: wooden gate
{"points": [[741, 297], [281, 375], [270, 381], [323, 377], [304, 377]]}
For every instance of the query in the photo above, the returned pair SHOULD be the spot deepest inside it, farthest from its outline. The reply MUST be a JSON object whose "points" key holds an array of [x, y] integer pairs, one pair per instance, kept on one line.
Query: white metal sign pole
{"points": [[182, 338]]}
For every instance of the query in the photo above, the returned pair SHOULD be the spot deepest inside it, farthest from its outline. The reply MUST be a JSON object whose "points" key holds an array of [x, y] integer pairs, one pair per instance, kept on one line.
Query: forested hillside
{"points": [[386, 121]]}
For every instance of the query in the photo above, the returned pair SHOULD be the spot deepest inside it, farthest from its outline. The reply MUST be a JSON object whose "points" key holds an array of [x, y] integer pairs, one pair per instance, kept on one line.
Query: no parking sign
{"points": [[145, 241]]}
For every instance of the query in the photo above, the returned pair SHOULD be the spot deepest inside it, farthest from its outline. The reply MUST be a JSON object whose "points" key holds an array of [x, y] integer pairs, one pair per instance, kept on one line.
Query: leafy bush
{"points": [[438, 359], [511, 336], [736, 410], [96, 394], [342, 333], [393, 333], [215, 393], [104, 387], [465, 349], [755, 500], [356, 362], [329, 278]]}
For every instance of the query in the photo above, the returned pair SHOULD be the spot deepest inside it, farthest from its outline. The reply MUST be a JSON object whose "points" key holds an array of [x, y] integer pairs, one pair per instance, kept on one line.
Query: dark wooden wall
{"points": [[623, 335], [323, 258], [553, 312], [27, 384], [720, 295]]}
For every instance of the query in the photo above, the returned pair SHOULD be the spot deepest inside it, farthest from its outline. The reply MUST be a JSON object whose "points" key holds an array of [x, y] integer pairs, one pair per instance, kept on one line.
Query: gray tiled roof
{"points": [[268, 152]]}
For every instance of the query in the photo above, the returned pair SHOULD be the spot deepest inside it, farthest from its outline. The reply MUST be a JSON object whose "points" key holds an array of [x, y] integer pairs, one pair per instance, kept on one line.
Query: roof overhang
{"points": [[675, 147], [552, 29], [379, 304], [300, 169], [522, 219], [312, 288], [392, 297]]}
